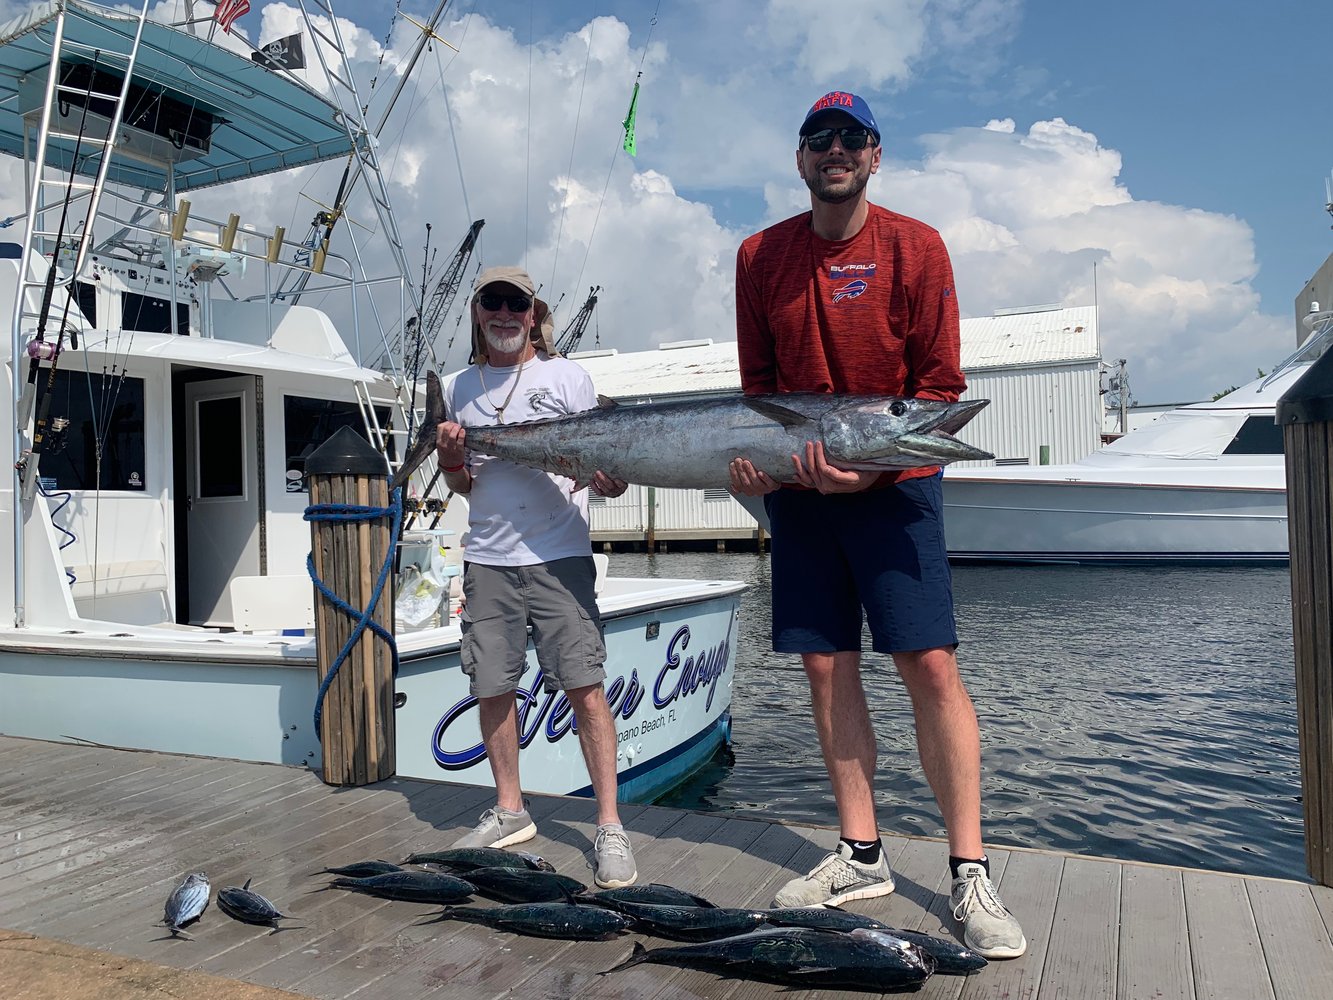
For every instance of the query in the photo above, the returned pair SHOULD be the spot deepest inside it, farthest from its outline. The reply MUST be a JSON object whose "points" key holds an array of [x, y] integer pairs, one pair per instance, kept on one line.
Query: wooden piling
{"points": [[1306, 415], [357, 729]]}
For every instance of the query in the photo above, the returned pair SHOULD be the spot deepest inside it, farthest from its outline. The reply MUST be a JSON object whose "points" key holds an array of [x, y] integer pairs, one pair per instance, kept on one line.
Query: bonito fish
{"points": [[690, 443], [186, 903], [802, 958], [248, 906]]}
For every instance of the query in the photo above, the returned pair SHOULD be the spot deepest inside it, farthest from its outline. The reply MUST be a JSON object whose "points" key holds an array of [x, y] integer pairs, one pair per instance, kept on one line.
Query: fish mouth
{"points": [[955, 417], [934, 439], [939, 448]]}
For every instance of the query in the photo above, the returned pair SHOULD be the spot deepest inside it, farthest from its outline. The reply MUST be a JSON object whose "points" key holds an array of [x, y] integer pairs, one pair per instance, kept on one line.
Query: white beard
{"points": [[505, 344]]}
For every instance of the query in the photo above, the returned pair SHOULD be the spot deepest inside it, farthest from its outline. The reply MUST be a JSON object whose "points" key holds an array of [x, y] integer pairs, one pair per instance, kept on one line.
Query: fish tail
{"points": [[637, 956], [448, 913]]}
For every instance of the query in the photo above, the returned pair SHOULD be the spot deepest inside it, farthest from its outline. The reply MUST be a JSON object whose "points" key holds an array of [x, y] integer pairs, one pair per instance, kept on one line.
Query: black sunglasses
{"points": [[853, 137], [516, 303]]}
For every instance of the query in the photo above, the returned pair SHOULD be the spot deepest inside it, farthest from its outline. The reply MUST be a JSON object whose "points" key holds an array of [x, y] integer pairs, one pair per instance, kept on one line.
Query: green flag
{"points": [[628, 123]]}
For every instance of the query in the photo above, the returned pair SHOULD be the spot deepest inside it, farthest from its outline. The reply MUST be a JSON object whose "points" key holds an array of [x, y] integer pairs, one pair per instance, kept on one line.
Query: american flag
{"points": [[228, 11]]}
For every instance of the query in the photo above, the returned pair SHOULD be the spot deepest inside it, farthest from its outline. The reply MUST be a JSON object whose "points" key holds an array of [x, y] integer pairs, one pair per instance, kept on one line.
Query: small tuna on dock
{"points": [[186, 903], [654, 894], [409, 886], [362, 869], [247, 906], [563, 921], [522, 885], [691, 923], [465, 859], [800, 958]]}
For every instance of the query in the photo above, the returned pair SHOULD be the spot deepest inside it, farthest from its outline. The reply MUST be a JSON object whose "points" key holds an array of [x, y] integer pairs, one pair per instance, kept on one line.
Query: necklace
{"points": [[500, 410]]}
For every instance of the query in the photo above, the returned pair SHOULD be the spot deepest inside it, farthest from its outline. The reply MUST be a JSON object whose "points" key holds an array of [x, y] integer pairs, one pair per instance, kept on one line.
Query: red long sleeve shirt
{"points": [[873, 314]]}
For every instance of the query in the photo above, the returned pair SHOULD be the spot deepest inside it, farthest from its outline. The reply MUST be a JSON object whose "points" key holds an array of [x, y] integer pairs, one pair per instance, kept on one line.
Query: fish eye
{"points": [[897, 408]]}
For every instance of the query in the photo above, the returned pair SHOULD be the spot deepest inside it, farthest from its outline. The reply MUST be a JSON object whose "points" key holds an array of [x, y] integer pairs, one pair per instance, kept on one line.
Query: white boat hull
{"points": [[252, 697], [1001, 520], [669, 681]]}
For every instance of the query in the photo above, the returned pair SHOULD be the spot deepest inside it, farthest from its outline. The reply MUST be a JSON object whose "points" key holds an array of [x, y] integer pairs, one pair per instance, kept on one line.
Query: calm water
{"points": [[1142, 714]]}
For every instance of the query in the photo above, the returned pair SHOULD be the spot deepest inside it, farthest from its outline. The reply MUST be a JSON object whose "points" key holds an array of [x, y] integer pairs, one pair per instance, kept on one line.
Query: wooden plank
{"points": [[87, 871], [150, 872], [1081, 957], [27, 783], [1323, 898], [391, 835], [101, 923], [1103, 930], [1295, 941], [1225, 951], [920, 875], [1154, 956], [50, 843], [1030, 887]]}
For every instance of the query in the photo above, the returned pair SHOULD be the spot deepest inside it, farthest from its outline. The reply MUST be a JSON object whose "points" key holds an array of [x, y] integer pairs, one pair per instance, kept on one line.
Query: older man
{"points": [[528, 560]]}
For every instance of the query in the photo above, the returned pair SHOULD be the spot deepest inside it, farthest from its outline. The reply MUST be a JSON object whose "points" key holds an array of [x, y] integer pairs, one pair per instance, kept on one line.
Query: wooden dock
{"points": [[92, 841]]}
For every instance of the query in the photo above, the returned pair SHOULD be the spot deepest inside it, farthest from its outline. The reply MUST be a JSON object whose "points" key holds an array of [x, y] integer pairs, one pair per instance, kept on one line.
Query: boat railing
{"points": [[1320, 325]]}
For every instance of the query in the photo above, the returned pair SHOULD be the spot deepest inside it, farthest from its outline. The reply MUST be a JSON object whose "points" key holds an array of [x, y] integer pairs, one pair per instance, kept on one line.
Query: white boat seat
{"points": [[117, 579], [272, 603]]}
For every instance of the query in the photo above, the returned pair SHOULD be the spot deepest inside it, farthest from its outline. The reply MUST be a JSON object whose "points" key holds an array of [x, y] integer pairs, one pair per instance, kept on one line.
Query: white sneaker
{"points": [[615, 861], [837, 879], [499, 828], [989, 928]]}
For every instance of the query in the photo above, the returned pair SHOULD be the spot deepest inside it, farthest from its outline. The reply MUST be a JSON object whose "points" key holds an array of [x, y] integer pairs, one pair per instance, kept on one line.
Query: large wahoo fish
{"points": [[689, 443]]}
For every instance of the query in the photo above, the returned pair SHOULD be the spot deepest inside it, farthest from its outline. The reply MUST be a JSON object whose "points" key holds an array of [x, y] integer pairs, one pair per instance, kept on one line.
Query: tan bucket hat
{"points": [[542, 333]]}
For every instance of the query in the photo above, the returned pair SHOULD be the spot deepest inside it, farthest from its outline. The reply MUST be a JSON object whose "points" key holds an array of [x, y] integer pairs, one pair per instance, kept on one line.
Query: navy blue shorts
{"points": [[882, 550]]}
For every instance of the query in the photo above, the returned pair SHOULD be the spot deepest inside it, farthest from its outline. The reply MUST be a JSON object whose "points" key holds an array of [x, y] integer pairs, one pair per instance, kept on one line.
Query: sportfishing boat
{"points": [[1204, 483], [169, 377]]}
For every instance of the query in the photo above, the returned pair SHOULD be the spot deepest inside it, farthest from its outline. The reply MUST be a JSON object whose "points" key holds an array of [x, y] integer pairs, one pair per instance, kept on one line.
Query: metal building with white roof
{"points": [[1039, 365]]}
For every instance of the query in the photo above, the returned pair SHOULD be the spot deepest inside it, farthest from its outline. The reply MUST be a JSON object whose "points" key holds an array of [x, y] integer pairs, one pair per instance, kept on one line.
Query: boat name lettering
{"points": [[547, 712], [695, 672]]}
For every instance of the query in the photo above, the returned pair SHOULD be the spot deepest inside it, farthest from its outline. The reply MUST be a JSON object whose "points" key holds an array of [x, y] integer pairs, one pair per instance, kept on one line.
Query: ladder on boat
{"points": [[363, 165], [53, 257], [364, 162]]}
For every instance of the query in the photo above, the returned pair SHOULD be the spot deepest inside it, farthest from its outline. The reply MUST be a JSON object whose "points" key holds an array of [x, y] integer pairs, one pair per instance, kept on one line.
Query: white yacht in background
{"points": [[1204, 483], [162, 403]]}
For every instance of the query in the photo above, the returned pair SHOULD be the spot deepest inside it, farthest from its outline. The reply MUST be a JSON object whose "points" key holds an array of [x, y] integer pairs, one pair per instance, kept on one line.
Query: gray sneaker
{"points": [[988, 928], [499, 828], [837, 879], [615, 860]]}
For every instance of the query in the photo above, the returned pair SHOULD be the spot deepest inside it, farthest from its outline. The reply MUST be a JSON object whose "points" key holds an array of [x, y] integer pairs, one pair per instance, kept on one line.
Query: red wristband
{"points": [[453, 468]]}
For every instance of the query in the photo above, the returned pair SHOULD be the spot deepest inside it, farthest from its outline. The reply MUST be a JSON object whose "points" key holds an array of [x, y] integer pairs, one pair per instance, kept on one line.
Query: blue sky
{"points": [[1181, 146]]}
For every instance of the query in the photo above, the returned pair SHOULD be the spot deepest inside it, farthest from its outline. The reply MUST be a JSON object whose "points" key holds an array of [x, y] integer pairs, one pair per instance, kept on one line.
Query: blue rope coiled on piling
{"points": [[354, 512]]}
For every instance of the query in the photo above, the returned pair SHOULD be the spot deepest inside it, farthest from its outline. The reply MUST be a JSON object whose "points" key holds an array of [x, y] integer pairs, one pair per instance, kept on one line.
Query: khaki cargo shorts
{"points": [[557, 599]]}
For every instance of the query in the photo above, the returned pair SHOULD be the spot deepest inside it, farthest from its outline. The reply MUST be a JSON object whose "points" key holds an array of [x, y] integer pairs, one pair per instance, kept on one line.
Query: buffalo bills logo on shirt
{"points": [[850, 290], [840, 271]]}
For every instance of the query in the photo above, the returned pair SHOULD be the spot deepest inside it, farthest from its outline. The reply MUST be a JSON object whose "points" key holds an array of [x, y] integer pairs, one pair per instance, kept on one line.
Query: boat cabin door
{"points": [[223, 492]]}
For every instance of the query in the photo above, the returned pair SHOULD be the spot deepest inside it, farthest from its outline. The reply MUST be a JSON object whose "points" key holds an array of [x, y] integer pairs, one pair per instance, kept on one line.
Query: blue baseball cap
{"points": [[839, 100]]}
